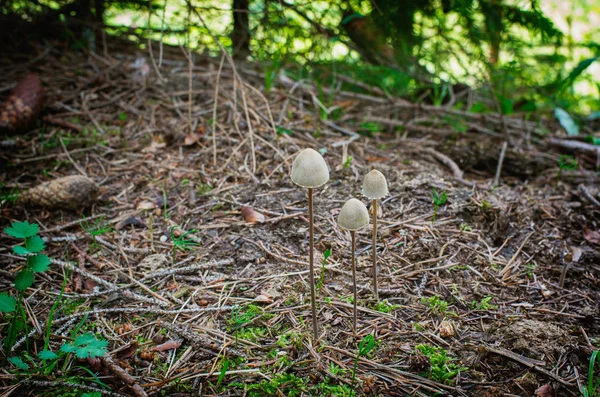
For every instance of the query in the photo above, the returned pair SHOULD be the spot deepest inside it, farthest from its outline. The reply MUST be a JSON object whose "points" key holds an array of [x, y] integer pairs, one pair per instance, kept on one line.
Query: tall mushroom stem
{"points": [[375, 249], [353, 233], [311, 264]]}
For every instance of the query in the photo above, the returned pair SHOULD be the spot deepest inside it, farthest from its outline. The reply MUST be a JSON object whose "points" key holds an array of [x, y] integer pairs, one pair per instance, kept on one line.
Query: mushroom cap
{"points": [[353, 215], [375, 185], [309, 169]]}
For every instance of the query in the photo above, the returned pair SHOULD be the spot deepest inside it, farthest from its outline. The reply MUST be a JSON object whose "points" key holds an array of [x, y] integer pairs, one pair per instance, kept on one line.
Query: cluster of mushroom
{"points": [[309, 170]]}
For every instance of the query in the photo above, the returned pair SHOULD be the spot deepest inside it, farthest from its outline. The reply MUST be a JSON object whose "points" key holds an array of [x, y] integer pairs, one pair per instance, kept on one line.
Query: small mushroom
{"points": [[310, 171], [353, 216], [375, 187]]}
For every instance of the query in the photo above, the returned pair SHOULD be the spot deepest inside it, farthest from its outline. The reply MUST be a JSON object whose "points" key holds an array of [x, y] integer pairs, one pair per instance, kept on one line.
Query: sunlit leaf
{"points": [[47, 355], [567, 122], [7, 303], [23, 280], [17, 362], [22, 229], [35, 244], [39, 263]]}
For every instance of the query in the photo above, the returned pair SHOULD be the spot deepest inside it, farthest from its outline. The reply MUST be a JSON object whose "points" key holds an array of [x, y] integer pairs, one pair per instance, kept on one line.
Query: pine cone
{"points": [[70, 192], [22, 108]]}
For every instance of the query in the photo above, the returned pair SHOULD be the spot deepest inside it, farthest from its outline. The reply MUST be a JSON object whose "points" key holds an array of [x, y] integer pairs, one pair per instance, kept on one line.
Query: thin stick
{"points": [[190, 71], [313, 301], [500, 161], [375, 249], [353, 233], [214, 121]]}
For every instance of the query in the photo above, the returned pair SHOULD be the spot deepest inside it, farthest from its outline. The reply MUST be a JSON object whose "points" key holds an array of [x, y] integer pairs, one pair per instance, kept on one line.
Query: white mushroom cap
{"points": [[309, 169], [353, 215], [375, 185]]}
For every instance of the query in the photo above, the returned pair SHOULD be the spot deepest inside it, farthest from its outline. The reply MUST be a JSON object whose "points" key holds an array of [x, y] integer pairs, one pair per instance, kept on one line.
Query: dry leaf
{"points": [[168, 345], [576, 254], [158, 142], [191, 139], [124, 328], [130, 221], [90, 284], [127, 351], [545, 391], [446, 329], [252, 216], [146, 205], [591, 236], [263, 299]]}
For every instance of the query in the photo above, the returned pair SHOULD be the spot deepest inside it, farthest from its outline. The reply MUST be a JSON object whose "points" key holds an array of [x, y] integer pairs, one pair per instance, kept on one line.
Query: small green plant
{"points": [[385, 307], [438, 199], [441, 369], [98, 228], [366, 345], [224, 367], [465, 227], [282, 384], [33, 245], [369, 128], [566, 162], [593, 385], [203, 188], [241, 316], [283, 131], [326, 256], [290, 339], [181, 243], [8, 196], [271, 70], [347, 162], [84, 346], [484, 304], [530, 268], [35, 263], [436, 304]]}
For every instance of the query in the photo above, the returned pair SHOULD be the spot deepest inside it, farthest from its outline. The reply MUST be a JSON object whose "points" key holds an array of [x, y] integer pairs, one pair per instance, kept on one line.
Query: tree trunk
{"points": [[240, 36]]}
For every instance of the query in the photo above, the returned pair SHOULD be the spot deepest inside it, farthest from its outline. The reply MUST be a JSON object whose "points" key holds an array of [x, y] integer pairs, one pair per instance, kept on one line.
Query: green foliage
{"points": [[224, 367], [32, 245], [348, 162], [321, 280], [7, 303], [385, 307], [437, 305], [86, 346], [438, 199], [441, 368], [567, 122], [282, 130], [182, 243], [366, 345], [22, 230], [19, 363], [47, 355], [241, 315], [566, 162], [484, 304], [593, 385], [282, 384]]}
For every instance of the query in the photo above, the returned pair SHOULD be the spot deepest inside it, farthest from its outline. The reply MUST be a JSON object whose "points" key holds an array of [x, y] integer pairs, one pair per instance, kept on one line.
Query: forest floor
{"points": [[196, 271]]}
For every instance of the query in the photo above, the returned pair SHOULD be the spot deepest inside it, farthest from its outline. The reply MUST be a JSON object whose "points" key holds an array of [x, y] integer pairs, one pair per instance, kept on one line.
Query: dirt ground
{"points": [[169, 265]]}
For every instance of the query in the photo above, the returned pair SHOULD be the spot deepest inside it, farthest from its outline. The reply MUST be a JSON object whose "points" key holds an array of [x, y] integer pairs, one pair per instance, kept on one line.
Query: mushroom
{"points": [[353, 216], [310, 171], [375, 187]]}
